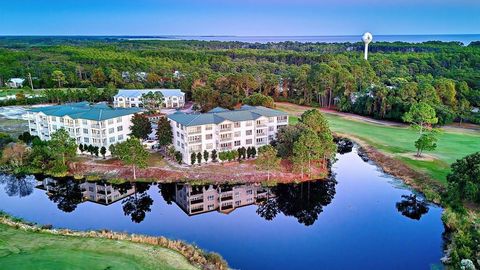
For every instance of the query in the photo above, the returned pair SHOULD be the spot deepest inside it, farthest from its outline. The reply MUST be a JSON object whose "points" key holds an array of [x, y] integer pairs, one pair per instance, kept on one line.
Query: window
{"points": [[210, 198], [208, 127], [111, 130], [183, 138], [194, 139], [119, 119], [110, 121], [111, 139], [208, 136], [249, 141], [86, 140], [271, 128], [183, 146], [237, 203], [178, 134], [225, 126], [249, 132], [85, 131], [237, 124], [119, 128], [260, 131], [120, 137], [237, 133], [178, 126], [249, 192], [249, 123], [237, 143], [178, 143], [209, 146], [271, 119], [84, 122], [282, 118]]}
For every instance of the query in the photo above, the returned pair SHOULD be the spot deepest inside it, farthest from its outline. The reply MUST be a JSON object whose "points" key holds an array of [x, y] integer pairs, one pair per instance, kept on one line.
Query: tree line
{"points": [[443, 74]]}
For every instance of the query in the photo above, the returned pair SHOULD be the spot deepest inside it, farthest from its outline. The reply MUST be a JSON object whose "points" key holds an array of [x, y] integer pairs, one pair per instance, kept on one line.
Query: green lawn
{"points": [[31, 250], [400, 142]]}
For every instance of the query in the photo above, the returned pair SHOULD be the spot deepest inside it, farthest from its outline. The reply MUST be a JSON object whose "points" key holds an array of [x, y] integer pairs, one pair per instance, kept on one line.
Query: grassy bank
{"points": [[399, 142], [24, 246], [392, 148]]}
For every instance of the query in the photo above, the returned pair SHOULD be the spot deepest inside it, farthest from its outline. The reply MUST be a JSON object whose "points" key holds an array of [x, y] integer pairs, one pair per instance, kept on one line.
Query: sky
{"points": [[238, 17]]}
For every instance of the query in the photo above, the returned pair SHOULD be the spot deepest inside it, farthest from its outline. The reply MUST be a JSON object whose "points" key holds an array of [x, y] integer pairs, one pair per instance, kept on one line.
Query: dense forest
{"points": [[445, 75]]}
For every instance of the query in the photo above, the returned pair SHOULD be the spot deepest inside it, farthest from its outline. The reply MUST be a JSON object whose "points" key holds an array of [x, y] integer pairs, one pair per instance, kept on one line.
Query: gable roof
{"points": [[218, 115], [136, 93], [83, 110]]}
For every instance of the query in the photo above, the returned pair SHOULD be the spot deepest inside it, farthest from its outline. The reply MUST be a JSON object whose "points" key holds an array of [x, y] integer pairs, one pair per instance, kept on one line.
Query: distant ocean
{"points": [[465, 39]]}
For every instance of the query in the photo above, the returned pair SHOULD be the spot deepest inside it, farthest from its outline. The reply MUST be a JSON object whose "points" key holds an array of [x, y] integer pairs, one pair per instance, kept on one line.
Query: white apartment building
{"points": [[98, 125], [172, 98], [196, 200], [225, 130]]}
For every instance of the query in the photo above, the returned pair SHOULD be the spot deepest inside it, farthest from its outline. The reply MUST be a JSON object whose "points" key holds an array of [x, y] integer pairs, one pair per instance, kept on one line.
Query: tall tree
{"points": [[420, 116], [59, 78], [98, 77], [152, 100], [141, 126], [267, 159], [164, 132], [426, 142], [64, 147], [307, 149], [132, 153]]}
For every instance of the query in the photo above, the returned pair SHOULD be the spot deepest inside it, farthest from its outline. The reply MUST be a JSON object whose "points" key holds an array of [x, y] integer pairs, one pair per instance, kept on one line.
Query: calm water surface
{"points": [[356, 220]]}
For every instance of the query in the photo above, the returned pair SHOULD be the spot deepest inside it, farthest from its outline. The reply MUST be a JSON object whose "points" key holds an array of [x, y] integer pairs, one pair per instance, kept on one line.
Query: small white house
{"points": [[15, 83]]}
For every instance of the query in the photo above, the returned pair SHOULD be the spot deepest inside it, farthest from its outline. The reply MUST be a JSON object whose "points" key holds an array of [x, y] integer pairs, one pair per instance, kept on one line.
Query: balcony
{"points": [[226, 139], [226, 129], [227, 198], [196, 201], [196, 210], [192, 132], [262, 134], [226, 207]]}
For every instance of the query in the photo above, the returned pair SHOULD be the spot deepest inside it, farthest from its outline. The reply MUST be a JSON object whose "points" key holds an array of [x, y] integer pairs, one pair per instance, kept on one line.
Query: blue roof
{"points": [[135, 93], [218, 115], [83, 110]]}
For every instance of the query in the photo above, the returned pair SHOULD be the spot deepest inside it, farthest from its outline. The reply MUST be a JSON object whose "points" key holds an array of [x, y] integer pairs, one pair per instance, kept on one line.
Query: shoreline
{"points": [[227, 172], [417, 180], [193, 254]]}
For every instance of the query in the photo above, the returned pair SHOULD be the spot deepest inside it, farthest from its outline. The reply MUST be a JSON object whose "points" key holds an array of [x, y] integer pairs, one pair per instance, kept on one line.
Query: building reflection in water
{"points": [[304, 201], [196, 200], [80, 191]]}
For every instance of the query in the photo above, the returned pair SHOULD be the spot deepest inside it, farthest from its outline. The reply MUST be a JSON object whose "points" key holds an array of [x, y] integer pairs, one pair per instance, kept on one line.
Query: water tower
{"points": [[367, 38]]}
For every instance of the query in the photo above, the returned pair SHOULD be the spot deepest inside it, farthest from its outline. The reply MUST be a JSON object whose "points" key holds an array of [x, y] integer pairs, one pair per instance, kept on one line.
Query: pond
{"points": [[360, 218]]}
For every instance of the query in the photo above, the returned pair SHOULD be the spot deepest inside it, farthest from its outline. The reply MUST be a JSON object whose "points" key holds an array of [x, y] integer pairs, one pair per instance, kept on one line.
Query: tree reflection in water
{"points": [[18, 186], [167, 190], [411, 207], [304, 201], [139, 204], [67, 194]]}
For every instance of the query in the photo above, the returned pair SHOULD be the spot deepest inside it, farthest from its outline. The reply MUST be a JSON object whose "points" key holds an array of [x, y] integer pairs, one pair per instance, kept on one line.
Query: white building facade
{"points": [[172, 98], [96, 125], [225, 130]]}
